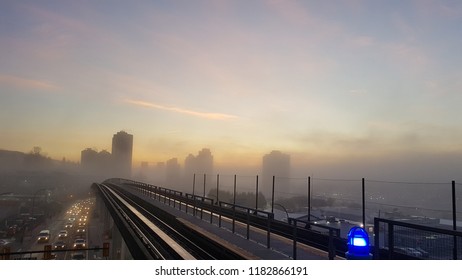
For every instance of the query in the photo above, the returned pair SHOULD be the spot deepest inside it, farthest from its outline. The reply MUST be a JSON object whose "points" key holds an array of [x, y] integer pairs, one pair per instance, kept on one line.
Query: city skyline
{"points": [[347, 87]]}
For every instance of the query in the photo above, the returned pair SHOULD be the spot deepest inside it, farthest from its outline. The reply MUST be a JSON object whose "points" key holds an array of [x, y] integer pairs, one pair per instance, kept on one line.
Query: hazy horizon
{"points": [[348, 89]]}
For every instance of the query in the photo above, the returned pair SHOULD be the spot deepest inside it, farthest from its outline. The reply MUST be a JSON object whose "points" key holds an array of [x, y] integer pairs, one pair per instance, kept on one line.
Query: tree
{"points": [[35, 159]]}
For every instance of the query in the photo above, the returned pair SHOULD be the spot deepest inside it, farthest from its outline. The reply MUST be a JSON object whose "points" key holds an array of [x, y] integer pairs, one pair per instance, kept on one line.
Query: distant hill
{"points": [[10, 160], [13, 160]]}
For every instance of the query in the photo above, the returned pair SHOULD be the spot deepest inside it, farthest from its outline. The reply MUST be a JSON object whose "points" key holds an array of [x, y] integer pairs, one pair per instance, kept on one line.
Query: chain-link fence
{"points": [[358, 201]]}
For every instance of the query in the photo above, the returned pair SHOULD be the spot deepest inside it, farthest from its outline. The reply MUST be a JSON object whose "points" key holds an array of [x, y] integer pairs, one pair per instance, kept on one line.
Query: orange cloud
{"points": [[213, 116]]}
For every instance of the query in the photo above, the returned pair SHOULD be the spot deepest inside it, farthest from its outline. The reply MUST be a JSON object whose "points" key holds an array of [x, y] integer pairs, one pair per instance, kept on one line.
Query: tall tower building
{"points": [[96, 164], [122, 150], [275, 164], [199, 165], [88, 159], [204, 161]]}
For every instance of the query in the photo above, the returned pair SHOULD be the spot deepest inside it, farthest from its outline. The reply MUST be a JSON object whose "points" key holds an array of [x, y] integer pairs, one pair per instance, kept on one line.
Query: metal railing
{"points": [[393, 238], [405, 240]]}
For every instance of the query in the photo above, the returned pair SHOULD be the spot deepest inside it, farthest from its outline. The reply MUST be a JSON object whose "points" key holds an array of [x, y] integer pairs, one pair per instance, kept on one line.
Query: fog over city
{"points": [[214, 98]]}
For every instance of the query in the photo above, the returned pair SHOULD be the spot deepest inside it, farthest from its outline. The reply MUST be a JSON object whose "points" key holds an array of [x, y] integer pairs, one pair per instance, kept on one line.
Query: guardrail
{"points": [[404, 240], [138, 249], [331, 243]]}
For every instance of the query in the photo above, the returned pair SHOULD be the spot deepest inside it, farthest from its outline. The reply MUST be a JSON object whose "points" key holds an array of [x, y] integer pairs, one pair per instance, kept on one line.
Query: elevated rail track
{"points": [[155, 234]]}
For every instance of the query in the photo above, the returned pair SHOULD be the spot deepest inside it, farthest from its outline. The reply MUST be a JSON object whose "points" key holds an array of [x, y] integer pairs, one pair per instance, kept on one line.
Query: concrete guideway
{"points": [[281, 246]]}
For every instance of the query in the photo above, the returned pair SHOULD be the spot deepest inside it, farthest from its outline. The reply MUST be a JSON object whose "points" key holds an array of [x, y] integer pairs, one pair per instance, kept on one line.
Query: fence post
{"points": [[454, 221], [309, 199], [376, 239], [202, 206], [294, 251], [194, 194], [364, 202], [272, 197], [256, 194], [234, 204], [268, 233], [248, 223], [219, 214], [331, 245], [211, 211], [174, 199], [218, 185], [186, 205], [391, 241]]}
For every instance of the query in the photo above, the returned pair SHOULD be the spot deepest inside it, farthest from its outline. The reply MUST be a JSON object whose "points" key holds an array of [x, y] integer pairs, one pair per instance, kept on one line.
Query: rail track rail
{"points": [[162, 235]]}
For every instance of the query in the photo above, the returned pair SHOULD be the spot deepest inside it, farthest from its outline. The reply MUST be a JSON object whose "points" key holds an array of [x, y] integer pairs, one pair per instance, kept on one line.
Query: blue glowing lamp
{"points": [[358, 244]]}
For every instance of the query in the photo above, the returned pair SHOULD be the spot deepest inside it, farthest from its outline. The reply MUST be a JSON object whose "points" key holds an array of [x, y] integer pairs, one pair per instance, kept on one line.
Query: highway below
{"points": [[74, 223]]}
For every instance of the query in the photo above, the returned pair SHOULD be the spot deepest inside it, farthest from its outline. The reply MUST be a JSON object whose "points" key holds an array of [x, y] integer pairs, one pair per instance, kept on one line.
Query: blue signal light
{"points": [[359, 241], [358, 244]]}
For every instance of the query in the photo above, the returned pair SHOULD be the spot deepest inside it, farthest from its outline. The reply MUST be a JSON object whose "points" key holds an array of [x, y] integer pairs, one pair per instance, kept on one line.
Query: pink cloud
{"points": [[23, 83], [213, 116]]}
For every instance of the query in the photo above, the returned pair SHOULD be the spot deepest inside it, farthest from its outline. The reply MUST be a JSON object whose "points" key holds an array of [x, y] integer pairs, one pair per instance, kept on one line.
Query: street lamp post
{"points": [[283, 208]]}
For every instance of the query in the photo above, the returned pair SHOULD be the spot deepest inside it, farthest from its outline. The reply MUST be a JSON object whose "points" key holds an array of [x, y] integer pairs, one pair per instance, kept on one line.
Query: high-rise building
{"points": [[204, 162], [88, 159], [199, 165], [96, 164], [122, 150], [275, 164]]}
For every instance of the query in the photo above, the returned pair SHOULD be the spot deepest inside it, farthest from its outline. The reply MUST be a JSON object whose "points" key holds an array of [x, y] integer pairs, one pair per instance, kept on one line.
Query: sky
{"points": [[335, 84]]}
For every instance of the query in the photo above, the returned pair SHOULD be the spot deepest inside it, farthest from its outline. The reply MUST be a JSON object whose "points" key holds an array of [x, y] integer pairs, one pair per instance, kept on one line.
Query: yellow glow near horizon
{"points": [[321, 82]]}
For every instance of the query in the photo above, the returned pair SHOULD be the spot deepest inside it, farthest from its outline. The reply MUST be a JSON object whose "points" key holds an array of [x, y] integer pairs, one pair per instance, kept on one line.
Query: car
{"points": [[68, 225], [59, 245], [78, 256], [79, 235], [80, 243], [43, 236], [80, 230], [62, 234]]}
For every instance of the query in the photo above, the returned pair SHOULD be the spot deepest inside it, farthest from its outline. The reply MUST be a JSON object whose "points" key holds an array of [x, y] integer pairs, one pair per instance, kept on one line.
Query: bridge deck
{"points": [[281, 248]]}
